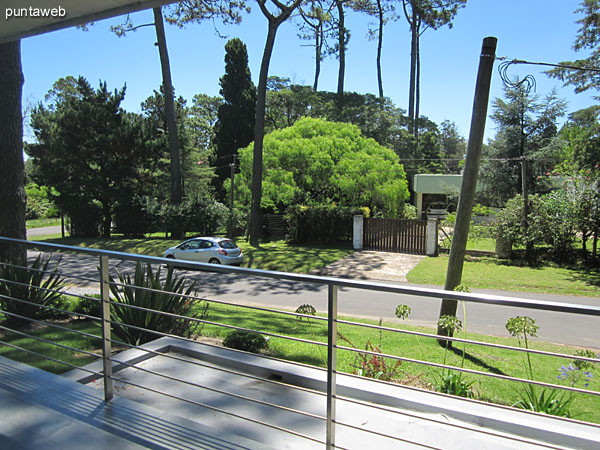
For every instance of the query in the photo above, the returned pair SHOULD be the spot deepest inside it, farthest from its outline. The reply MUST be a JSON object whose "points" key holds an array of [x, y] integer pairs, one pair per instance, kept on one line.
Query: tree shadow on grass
{"points": [[587, 275], [475, 360]]}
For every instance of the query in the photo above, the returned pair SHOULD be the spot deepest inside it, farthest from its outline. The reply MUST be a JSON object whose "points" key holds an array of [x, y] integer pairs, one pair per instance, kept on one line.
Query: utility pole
{"points": [[469, 182], [232, 195]]}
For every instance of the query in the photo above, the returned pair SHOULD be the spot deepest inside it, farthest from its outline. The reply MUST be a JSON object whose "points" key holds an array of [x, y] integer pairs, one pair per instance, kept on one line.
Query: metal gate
{"points": [[395, 235]]}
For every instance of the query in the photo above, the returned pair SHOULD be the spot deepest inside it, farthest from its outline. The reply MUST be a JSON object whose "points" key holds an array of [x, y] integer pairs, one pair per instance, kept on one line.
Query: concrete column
{"points": [[419, 205], [432, 237], [357, 237]]}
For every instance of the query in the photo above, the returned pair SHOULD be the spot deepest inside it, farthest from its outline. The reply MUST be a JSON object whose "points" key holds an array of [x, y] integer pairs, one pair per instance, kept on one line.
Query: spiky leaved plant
{"points": [[35, 284], [147, 293]]}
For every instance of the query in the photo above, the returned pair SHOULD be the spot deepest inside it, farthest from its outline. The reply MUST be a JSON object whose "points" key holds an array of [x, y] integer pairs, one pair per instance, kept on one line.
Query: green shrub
{"points": [[85, 219], [409, 212], [138, 216], [165, 296], [89, 306], [39, 203], [247, 341], [323, 223], [36, 284]]}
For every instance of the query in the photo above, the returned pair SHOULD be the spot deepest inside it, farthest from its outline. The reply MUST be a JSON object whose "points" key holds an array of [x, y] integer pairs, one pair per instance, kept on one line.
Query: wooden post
{"points": [[467, 190]]}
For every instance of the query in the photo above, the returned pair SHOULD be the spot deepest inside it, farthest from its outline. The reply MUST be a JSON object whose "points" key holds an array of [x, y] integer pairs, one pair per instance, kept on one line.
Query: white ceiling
{"points": [[73, 12]]}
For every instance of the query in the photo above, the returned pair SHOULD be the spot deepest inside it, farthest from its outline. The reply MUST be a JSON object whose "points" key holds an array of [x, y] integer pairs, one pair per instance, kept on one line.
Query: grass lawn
{"points": [[277, 255], [490, 360], [49, 333], [39, 223], [491, 273]]}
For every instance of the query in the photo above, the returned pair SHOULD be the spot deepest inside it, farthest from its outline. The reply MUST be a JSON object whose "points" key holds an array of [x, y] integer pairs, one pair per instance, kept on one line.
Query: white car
{"points": [[211, 250], [436, 211]]}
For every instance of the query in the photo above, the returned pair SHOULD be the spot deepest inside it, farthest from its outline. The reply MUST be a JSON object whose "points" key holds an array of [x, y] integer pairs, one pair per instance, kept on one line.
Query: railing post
{"points": [[332, 297], [106, 344]]}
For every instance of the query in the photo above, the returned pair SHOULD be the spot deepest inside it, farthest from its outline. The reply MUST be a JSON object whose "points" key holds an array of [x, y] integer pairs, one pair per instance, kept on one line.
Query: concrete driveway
{"points": [[371, 265]]}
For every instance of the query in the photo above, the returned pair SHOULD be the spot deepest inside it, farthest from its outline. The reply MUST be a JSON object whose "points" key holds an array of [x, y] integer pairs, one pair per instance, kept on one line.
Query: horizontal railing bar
{"points": [[196, 362], [50, 324], [447, 423], [56, 344], [469, 341], [174, 336], [233, 327], [356, 284], [463, 369], [378, 433], [49, 358], [220, 391], [37, 305], [220, 302], [62, 274], [214, 408]]}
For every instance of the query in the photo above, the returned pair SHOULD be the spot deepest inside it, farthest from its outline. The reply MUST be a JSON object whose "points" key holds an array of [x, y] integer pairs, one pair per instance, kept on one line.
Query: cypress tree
{"points": [[236, 116]]}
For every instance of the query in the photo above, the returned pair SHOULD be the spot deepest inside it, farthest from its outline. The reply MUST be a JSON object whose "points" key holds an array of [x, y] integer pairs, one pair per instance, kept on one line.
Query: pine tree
{"points": [[236, 116], [12, 174]]}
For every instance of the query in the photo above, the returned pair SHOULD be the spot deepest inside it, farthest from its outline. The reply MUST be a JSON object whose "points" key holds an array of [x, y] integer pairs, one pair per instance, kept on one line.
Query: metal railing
{"points": [[330, 419]]}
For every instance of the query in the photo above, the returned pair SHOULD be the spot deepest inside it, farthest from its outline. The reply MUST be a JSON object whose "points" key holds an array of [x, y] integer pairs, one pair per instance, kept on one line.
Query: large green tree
{"points": [[454, 147], [581, 164], [526, 128], [12, 173], [194, 128], [318, 162], [577, 73], [234, 128], [377, 118], [274, 19], [87, 150]]}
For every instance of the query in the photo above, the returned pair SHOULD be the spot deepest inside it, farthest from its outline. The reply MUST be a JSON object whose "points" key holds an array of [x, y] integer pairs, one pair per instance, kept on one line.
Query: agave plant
{"points": [[166, 295], [35, 284]]}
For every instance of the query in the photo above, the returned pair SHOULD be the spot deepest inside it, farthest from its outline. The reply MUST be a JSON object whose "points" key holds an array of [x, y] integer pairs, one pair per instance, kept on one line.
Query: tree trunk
{"points": [[318, 49], [13, 199], [417, 92], [106, 219], [379, 46], [413, 75], [342, 46], [259, 130], [176, 186]]}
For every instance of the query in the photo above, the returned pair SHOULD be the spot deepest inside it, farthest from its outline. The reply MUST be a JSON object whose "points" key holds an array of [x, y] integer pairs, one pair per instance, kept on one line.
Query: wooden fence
{"points": [[395, 235]]}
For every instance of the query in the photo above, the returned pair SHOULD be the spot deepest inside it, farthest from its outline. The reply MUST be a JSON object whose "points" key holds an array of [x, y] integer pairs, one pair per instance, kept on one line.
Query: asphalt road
{"points": [[569, 329], [33, 232]]}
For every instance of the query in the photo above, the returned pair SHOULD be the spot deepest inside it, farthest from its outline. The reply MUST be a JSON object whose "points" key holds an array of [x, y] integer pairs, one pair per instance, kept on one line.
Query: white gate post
{"points": [[357, 235], [432, 237]]}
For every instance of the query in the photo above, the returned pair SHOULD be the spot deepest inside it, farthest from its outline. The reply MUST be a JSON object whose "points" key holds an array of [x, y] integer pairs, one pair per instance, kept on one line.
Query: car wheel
{"points": [[214, 261]]}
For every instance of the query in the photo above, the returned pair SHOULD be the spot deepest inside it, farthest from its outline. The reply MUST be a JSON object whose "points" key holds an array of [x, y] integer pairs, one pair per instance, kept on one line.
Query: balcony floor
{"points": [[42, 410]]}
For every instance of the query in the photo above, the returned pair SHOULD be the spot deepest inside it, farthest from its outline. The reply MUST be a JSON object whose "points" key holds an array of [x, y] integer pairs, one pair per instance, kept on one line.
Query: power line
{"points": [[529, 80]]}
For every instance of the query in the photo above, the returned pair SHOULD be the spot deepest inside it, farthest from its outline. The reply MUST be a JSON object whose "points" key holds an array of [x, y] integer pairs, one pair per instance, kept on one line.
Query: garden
{"points": [[165, 304]]}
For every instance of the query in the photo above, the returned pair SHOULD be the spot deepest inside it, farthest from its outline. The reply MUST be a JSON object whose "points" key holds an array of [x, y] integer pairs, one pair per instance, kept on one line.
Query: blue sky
{"points": [[534, 30]]}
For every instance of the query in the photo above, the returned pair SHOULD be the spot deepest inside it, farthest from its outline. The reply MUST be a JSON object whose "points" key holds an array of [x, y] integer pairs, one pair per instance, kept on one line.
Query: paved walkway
{"points": [[371, 265]]}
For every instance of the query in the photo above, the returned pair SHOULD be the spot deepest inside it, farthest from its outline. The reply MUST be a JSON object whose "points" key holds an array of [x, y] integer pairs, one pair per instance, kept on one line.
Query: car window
{"points": [[437, 206], [206, 244], [227, 244], [192, 245]]}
